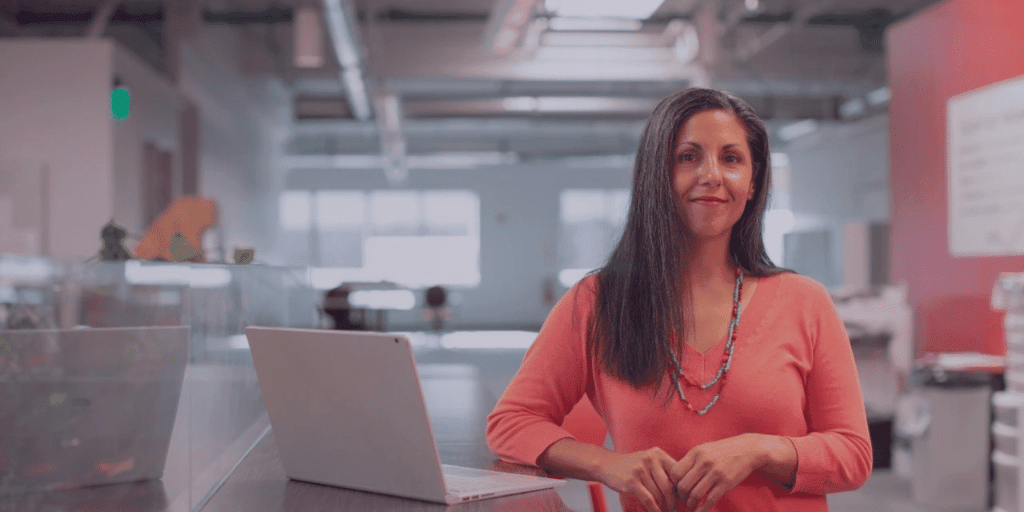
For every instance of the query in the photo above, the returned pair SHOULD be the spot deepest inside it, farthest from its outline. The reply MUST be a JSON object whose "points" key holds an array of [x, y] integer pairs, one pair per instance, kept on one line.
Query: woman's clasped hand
{"points": [[698, 480]]}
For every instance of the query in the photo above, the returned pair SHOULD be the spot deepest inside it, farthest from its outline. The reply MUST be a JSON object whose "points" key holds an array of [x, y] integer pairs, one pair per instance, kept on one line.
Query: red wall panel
{"points": [[951, 48]]}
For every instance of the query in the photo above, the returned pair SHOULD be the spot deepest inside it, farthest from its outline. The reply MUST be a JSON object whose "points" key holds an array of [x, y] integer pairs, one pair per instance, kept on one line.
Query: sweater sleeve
{"points": [[835, 455], [549, 383]]}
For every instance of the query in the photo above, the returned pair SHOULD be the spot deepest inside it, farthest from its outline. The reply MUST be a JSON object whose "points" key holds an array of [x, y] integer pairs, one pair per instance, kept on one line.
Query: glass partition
{"points": [[219, 413]]}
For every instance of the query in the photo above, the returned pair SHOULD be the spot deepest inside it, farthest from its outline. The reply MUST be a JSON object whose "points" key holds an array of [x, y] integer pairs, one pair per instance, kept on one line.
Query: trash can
{"points": [[947, 422]]}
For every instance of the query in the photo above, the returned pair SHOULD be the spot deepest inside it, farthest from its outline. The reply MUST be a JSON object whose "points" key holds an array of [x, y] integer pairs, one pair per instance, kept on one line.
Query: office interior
{"points": [[448, 169]]}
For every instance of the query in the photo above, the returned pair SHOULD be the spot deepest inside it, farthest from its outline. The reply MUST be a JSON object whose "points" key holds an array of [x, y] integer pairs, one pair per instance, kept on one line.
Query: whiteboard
{"points": [[985, 170]]}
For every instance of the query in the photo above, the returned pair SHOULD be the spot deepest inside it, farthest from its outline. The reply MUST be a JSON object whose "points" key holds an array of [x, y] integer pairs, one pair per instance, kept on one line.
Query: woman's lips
{"points": [[709, 200]]}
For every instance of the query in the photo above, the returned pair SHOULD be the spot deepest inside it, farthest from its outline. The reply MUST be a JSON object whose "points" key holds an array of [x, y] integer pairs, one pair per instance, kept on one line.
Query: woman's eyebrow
{"points": [[697, 145]]}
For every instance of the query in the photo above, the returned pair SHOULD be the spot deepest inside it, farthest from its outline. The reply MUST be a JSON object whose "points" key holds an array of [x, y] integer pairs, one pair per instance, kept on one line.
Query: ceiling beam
{"points": [[506, 23], [101, 18], [749, 48]]}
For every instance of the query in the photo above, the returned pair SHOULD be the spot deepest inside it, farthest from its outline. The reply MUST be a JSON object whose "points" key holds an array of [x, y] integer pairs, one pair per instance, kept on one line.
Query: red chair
{"points": [[586, 425]]}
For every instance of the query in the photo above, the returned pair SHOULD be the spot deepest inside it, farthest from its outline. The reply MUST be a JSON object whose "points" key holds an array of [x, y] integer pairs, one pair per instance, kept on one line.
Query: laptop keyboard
{"points": [[461, 480]]}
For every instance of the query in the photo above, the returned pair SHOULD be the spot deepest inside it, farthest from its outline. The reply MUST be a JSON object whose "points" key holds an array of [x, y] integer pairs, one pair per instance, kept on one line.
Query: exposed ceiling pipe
{"points": [[341, 25], [9, 27], [101, 18], [392, 139], [746, 50], [506, 23]]}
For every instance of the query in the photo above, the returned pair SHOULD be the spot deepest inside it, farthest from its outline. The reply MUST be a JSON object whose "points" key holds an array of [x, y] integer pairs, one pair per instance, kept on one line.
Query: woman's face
{"points": [[713, 173]]}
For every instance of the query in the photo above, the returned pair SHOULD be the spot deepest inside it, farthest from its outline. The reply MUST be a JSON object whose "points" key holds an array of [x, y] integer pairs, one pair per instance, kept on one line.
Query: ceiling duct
{"points": [[341, 26]]}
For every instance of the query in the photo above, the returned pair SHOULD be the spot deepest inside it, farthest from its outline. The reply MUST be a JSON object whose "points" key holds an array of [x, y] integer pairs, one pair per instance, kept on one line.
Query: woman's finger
{"points": [[665, 487], [656, 489], [688, 480], [711, 498], [646, 499], [699, 491]]}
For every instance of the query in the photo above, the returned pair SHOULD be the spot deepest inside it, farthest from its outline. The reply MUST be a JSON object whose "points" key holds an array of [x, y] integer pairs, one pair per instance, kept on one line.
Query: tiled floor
{"points": [[884, 492]]}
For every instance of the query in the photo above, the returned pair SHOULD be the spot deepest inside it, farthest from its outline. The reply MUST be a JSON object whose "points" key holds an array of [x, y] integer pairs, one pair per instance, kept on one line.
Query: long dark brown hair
{"points": [[643, 294]]}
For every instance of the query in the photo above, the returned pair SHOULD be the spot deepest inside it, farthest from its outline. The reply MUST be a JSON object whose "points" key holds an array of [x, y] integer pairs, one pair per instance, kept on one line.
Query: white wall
{"points": [[243, 124], [155, 116], [840, 174], [55, 112], [519, 231]]}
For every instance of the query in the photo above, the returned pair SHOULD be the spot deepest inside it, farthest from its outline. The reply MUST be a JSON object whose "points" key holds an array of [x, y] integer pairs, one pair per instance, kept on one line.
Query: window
{"points": [[416, 238], [591, 223]]}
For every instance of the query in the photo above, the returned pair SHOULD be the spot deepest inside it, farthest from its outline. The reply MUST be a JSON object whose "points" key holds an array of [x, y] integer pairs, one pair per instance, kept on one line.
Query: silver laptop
{"points": [[347, 410], [87, 406]]}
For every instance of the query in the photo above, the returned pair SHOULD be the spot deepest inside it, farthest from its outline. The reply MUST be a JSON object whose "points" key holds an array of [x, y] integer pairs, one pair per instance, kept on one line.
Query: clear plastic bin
{"points": [[1015, 362], [1005, 438], [1007, 406], [1008, 295], [1014, 383], [1006, 469]]}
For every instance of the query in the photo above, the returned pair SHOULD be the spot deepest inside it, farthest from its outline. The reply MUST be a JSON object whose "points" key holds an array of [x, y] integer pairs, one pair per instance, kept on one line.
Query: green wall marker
{"points": [[119, 100]]}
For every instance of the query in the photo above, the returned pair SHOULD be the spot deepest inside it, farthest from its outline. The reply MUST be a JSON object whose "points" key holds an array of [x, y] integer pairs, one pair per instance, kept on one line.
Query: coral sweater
{"points": [[792, 375]]}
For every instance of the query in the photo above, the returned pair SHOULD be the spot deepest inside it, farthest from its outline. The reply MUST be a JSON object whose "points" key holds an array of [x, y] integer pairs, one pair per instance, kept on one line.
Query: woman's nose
{"points": [[709, 172]]}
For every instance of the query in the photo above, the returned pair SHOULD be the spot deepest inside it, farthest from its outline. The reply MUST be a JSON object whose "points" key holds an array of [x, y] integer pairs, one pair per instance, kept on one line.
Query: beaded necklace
{"points": [[726, 356]]}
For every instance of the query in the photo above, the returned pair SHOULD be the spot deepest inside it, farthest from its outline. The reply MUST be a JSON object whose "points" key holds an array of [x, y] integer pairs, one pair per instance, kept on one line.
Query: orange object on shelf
{"points": [[177, 234]]}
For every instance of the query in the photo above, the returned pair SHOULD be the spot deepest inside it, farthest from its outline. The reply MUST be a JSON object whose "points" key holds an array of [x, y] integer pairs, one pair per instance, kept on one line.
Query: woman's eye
{"points": [[732, 158], [687, 157]]}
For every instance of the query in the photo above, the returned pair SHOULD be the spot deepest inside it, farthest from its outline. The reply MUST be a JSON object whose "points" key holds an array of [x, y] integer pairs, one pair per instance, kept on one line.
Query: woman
{"points": [[706, 412]]}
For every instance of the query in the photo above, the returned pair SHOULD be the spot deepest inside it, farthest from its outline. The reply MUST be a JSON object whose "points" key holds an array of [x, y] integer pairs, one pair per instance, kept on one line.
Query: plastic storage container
{"points": [[1005, 439], [1008, 296], [1006, 469], [1007, 406]]}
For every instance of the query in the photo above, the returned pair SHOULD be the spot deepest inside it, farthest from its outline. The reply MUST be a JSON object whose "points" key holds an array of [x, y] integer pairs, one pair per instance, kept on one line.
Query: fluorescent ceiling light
{"points": [[577, 104], [852, 107], [630, 9], [462, 160], [797, 129], [452, 160], [879, 96], [588, 55], [594, 24]]}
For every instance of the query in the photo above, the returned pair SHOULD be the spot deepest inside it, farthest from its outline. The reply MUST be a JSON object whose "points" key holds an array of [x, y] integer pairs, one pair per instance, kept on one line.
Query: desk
{"points": [[458, 396], [458, 404]]}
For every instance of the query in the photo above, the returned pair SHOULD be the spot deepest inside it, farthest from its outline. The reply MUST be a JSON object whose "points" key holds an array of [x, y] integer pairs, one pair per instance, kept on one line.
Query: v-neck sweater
{"points": [[792, 375]]}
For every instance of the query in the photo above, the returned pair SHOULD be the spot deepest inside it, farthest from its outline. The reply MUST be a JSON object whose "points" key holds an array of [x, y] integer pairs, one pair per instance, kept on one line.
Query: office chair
{"points": [[586, 425], [436, 300]]}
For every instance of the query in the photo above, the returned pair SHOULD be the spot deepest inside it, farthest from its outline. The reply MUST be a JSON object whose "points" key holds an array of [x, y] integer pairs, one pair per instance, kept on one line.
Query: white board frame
{"points": [[985, 170]]}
